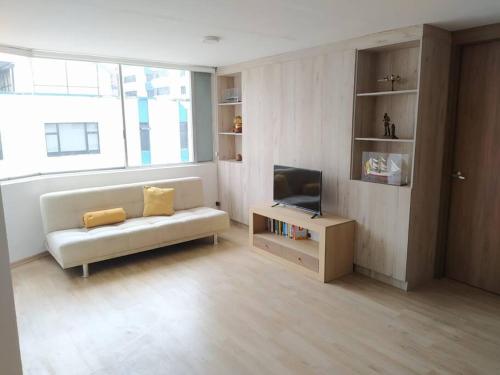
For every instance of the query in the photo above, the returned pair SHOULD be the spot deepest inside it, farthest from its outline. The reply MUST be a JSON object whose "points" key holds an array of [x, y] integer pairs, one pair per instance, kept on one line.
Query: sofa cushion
{"points": [[158, 201], [72, 247], [104, 217]]}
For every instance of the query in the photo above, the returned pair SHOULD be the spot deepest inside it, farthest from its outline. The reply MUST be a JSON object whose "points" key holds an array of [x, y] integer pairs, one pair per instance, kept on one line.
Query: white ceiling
{"points": [[171, 30]]}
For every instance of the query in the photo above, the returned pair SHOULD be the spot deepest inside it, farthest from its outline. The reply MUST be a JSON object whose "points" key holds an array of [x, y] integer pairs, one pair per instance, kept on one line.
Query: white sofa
{"points": [[72, 245]]}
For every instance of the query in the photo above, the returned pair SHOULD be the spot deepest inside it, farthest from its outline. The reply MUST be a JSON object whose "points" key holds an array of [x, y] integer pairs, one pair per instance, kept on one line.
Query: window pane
{"points": [[50, 128], [72, 137], [53, 100], [93, 140], [82, 74], [158, 119], [52, 143], [48, 73], [92, 127]]}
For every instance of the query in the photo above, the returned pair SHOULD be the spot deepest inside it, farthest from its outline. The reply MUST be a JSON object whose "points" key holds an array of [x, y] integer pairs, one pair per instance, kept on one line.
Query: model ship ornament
{"points": [[390, 78], [378, 167]]}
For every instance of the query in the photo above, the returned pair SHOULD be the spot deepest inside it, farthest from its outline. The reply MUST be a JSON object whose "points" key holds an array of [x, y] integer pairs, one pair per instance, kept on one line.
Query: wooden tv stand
{"points": [[327, 259]]}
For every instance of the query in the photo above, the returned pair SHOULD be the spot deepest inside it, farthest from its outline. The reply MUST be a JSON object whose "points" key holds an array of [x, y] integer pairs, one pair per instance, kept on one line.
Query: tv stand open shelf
{"points": [[328, 258]]}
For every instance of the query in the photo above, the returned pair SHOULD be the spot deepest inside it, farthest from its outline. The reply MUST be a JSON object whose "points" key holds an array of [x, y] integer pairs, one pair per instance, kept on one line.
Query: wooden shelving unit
{"points": [[230, 143], [326, 259], [373, 98], [231, 172]]}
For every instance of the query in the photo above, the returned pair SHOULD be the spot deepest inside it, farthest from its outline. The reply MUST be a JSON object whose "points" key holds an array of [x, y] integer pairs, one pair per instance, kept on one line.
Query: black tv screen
{"points": [[298, 188]]}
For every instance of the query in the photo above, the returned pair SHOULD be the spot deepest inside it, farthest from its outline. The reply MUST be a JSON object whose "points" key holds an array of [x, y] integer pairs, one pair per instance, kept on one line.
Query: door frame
{"points": [[460, 39]]}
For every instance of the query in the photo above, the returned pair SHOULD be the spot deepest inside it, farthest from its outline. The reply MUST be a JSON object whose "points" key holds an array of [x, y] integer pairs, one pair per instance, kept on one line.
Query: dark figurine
{"points": [[393, 132], [387, 121]]}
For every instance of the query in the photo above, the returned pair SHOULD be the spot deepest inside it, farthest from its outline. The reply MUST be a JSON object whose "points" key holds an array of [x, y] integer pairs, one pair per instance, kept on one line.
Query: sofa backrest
{"points": [[65, 209]]}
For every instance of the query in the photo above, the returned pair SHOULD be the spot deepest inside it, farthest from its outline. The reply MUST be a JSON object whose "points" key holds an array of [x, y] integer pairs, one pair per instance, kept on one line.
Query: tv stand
{"points": [[325, 259]]}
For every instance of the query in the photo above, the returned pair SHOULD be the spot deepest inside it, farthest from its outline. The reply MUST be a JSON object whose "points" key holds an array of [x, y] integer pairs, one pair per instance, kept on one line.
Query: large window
{"points": [[72, 138], [64, 115]]}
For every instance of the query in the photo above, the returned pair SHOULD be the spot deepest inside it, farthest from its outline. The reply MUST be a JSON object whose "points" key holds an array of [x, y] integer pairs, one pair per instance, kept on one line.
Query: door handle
{"points": [[458, 175]]}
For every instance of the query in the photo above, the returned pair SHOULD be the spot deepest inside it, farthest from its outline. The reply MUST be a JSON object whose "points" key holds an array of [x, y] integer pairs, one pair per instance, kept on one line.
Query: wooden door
{"points": [[473, 254]]}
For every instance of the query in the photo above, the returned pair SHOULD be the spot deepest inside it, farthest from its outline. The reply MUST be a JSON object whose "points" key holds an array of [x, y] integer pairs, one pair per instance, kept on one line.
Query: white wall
{"points": [[25, 234], [10, 359]]}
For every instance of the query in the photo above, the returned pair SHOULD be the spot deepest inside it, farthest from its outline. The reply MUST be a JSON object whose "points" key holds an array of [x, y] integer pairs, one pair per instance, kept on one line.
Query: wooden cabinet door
{"points": [[473, 254], [232, 194]]}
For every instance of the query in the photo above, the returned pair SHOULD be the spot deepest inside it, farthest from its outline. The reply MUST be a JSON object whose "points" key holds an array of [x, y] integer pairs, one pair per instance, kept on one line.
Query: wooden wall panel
{"points": [[298, 111]]}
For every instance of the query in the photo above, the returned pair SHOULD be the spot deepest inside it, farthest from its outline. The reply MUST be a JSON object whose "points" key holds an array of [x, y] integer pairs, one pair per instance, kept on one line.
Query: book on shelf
{"points": [[284, 229]]}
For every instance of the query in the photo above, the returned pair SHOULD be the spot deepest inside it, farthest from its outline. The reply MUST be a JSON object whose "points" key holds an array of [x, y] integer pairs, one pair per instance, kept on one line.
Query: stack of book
{"points": [[287, 230]]}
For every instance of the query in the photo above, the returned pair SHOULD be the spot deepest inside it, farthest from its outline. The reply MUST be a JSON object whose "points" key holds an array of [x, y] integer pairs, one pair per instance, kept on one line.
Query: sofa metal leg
{"points": [[85, 269], [216, 239]]}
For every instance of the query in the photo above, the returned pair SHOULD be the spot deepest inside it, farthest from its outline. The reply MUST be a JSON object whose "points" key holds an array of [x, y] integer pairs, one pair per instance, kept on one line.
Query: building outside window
{"points": [[72, 138]]}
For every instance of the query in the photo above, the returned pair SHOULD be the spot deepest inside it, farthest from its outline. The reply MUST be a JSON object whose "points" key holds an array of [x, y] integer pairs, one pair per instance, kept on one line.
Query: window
{"points": [[6, 77], [52, 76], [158, 125], [67, 115], [129, 79], [53, 110], [72, 138], [162, 91]]}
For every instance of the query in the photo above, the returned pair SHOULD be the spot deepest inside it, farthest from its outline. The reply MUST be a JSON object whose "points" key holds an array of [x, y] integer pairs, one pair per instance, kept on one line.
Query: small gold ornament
{"points": [[237, 124]]}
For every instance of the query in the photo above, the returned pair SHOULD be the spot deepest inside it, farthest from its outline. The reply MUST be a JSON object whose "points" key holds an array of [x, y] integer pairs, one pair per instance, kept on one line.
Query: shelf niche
{"points": [[373, 98], [229, 146]]}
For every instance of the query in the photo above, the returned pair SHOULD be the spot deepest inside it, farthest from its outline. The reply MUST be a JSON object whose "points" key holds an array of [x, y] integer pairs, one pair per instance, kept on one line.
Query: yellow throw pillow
{"points": [[158, 202], [104, 217]]}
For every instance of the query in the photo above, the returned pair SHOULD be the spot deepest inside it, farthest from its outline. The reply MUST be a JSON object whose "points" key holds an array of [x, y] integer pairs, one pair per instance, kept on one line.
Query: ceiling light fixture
{"points": [[211, 39]]}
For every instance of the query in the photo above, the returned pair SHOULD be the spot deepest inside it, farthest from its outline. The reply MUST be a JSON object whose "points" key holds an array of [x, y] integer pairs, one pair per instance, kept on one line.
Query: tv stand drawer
{"points": [[278, 246]]}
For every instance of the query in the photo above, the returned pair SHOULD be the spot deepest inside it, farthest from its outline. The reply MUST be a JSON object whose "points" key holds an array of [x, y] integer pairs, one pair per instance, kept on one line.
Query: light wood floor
{"points": [[204, 309]]}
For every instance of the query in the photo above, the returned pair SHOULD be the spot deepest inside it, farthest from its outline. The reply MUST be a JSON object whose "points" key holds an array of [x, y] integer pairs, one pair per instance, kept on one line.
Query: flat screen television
{"points": [[297, 187]]}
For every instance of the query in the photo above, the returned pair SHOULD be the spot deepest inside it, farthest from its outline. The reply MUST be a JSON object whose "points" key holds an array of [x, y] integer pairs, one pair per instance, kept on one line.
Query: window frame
{"points": [[57, 133], [37, 53]]}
